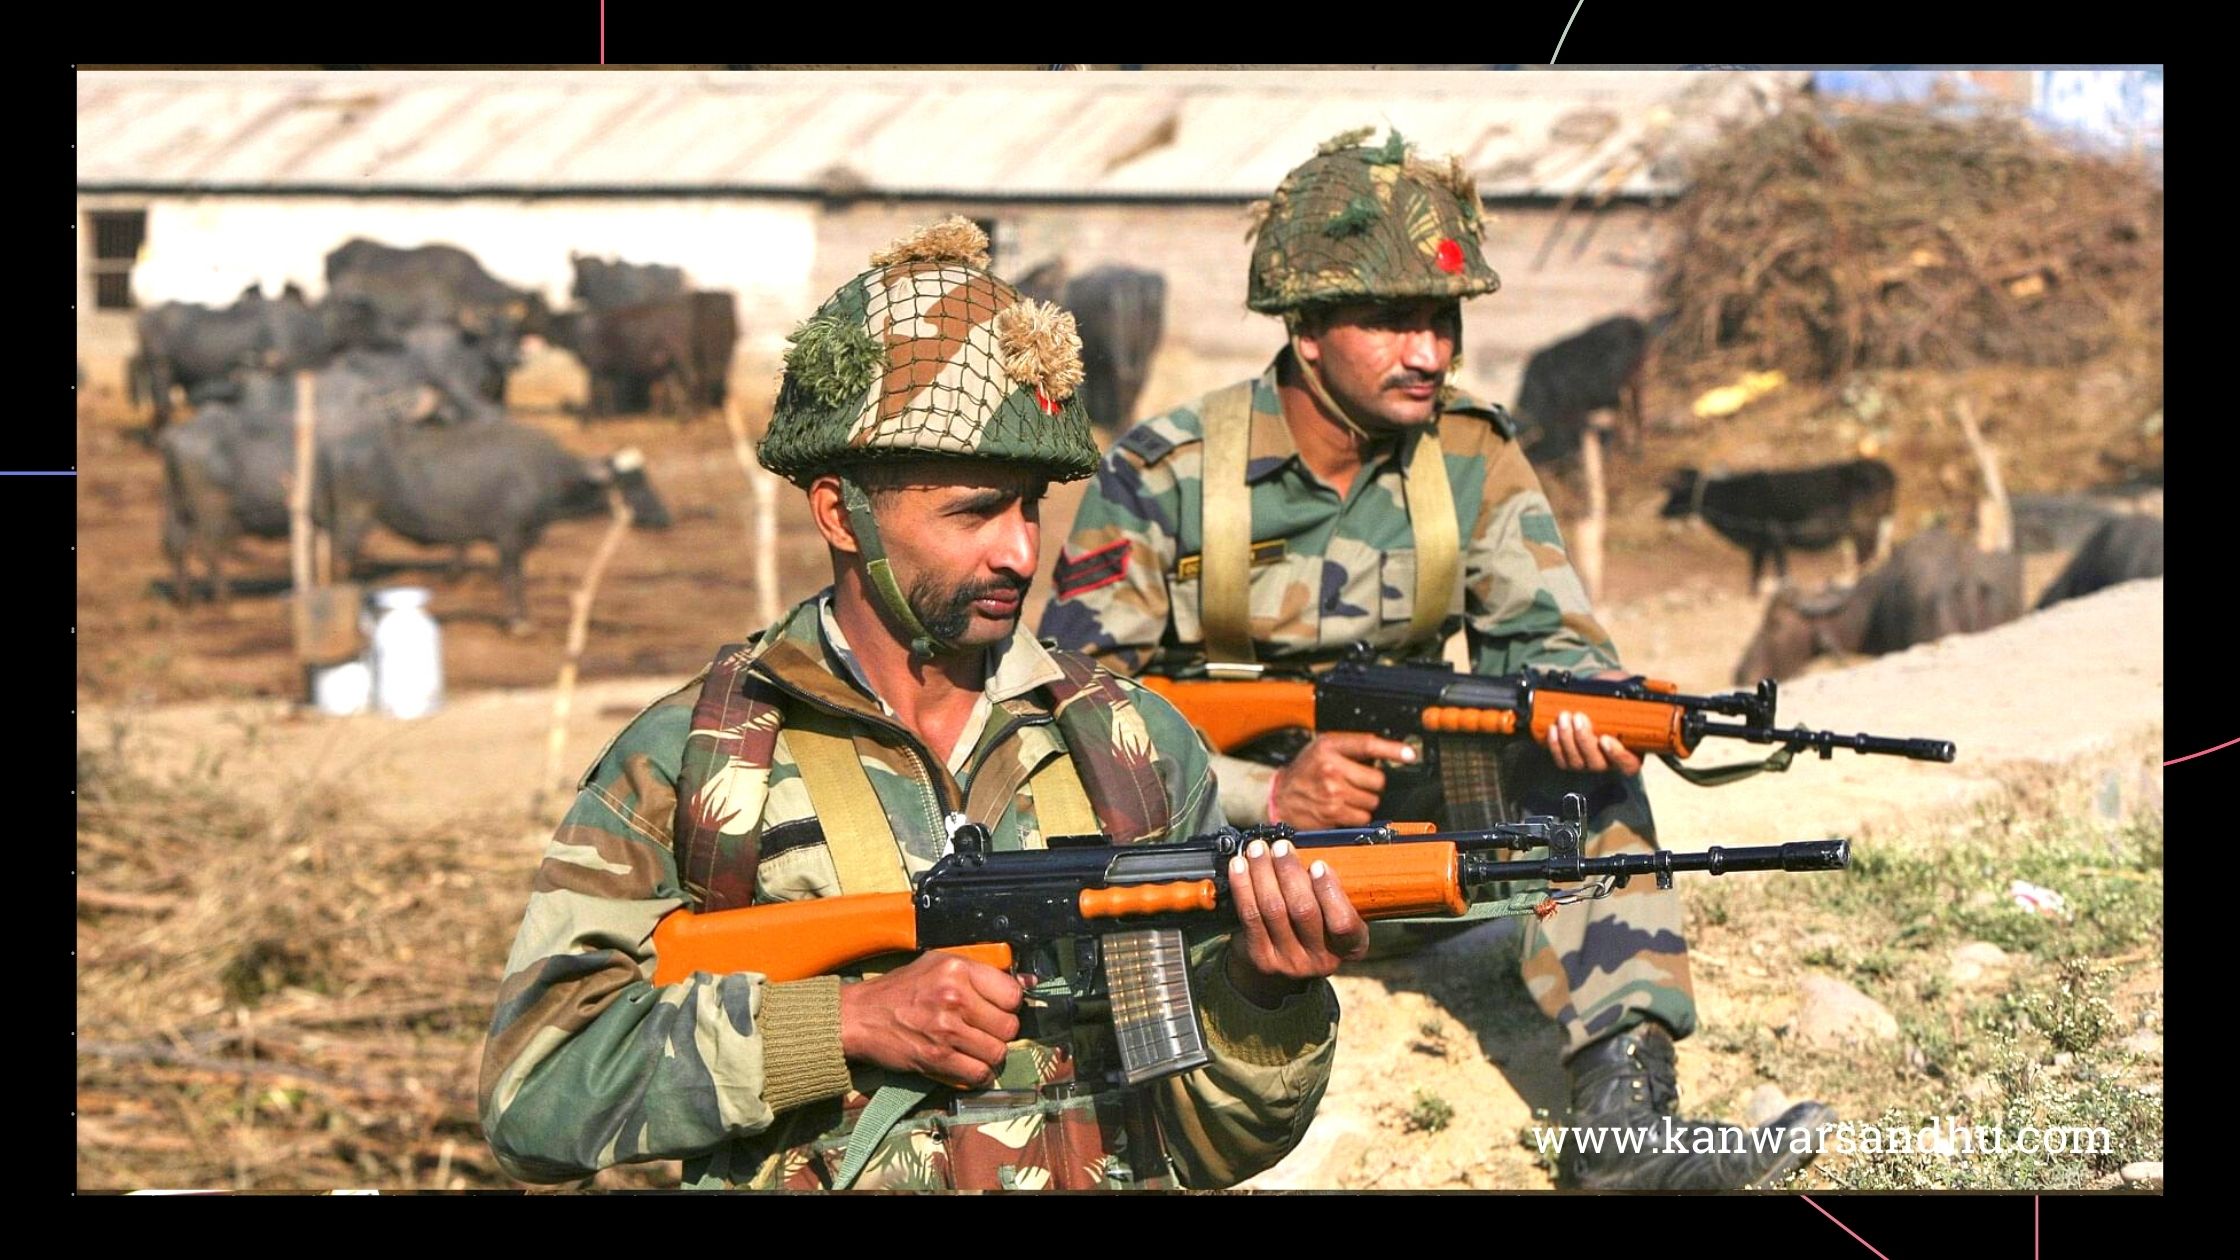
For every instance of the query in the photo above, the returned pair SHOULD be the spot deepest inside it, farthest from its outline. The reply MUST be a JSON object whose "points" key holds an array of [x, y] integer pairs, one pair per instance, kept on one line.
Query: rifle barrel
{"points": [[1827, 741], [1800, 855]]}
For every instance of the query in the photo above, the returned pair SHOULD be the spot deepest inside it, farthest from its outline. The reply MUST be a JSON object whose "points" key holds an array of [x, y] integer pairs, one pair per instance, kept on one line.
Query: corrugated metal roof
{"points": [[1147, 135]]}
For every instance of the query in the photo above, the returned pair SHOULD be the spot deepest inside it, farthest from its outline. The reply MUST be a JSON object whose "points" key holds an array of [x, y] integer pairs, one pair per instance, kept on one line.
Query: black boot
{"points": [[1627, 1082]]}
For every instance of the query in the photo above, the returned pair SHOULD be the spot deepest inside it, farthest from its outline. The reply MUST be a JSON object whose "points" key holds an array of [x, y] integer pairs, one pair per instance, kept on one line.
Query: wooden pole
{"points": [[579, 631], [1994, 515], [1588, 554], [763, 524], [299, 514]]}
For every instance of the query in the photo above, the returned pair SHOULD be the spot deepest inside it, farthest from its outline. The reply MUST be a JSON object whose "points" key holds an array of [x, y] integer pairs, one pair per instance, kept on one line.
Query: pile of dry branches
{"points": [[288, 998], [1831, 238]]}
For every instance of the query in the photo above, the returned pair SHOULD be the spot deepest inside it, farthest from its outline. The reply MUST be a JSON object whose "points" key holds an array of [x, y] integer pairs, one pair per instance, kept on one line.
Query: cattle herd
{"points": [[408, 355], [410, 348]]}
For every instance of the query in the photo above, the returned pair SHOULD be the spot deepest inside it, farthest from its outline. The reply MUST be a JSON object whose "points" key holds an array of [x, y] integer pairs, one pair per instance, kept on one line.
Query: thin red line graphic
{"points": [[1840, 1225], [602, 32], [2033, 1227], [2203, 753]]}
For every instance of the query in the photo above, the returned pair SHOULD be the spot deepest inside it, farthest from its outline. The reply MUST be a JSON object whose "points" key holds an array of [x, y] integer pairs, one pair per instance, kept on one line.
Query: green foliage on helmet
{"points": [[1361, 223], [927, 354]]}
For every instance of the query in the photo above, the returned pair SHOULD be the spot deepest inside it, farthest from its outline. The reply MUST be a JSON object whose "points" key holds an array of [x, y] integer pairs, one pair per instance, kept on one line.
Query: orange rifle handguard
{"points": [[794, 940], [1645, 726]]}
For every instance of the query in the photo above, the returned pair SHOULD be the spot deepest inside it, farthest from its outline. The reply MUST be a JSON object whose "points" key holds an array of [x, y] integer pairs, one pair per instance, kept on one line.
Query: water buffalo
{"points": [[496, 483], [441, 284], [1566, 382], [2121, 549], [204, 350], [603, 285], [227, 471], [674, 353], [1934, 584], [1121, 313], [1807, 508]]}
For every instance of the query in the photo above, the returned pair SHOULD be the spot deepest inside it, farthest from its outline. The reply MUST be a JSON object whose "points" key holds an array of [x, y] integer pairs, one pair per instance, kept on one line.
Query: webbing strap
{"points": [[864, 850], [881, 1114], [1061, 805], [1438, 535], [1225, 508]]}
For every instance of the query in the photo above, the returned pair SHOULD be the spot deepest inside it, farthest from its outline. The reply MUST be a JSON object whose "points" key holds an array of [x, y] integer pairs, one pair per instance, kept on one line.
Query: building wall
{"points": [[1212, 339], [205, 249]]}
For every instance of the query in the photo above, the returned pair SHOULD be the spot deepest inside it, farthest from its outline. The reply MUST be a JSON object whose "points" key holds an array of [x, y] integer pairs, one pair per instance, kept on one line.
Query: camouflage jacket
{"points": [[1328, 570], [588, 1064]]}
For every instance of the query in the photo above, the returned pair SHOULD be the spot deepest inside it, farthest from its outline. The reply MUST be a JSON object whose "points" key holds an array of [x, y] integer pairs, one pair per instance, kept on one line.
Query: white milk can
{"points": [[407, 653], [342, 690]]}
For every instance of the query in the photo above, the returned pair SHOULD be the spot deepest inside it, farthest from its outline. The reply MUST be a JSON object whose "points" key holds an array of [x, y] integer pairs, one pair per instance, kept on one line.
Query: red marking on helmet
{"points": [[1450, 255], [1049, 406]]}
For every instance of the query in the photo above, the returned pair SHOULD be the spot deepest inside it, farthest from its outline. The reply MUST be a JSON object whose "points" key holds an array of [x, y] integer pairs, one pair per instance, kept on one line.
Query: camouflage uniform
{"points": [[1330, 570], [589, 1064]]}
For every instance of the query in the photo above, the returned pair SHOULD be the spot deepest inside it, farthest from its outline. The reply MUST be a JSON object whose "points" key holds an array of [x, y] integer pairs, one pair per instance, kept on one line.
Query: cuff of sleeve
{"points": [[1244, 790], [801, 1058], [1240, 1030]]}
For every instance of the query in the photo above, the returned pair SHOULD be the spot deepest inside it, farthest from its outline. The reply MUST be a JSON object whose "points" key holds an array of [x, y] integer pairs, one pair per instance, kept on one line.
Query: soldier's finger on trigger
{"points": [[996, 986], [1362, 775]]}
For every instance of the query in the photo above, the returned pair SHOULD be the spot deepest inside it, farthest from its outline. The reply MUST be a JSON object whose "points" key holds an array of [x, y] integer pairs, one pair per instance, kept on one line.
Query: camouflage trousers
{"points": [[1594, 967], [1599, 967]]}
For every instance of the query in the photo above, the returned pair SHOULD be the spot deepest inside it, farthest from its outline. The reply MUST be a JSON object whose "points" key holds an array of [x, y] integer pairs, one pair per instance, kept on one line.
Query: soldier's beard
{"points": [[947, 613]]}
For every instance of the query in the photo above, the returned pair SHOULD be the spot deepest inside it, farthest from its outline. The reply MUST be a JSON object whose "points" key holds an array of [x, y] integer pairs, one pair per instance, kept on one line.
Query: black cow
{"points": [[1934, 584], [604, 286], [204, 351], [2121, 549], [227, 471], [679, 348], [502, 484], [1811, 509], [1121, 313], [441, 284], [1565, 383]]}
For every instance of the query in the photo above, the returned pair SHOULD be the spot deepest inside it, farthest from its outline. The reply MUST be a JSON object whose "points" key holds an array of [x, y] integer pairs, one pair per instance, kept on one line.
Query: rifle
{"points": [[1237, 705], [1125, 908]]}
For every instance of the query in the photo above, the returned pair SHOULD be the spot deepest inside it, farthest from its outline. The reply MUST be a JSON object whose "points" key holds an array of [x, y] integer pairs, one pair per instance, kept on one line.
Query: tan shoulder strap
{"points": [[1061, 805], [1225, 543], [865, 853], [1438, 535]]}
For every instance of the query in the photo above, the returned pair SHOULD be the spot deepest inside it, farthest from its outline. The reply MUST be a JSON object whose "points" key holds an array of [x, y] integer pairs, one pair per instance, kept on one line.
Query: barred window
{"points": [[117, 236]]}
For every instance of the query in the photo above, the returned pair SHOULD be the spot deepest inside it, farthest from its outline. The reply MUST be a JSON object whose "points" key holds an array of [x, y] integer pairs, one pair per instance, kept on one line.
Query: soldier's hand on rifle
{"points": [[1575, 746], [941, 1016], [1334, 782], [1294, 923]]}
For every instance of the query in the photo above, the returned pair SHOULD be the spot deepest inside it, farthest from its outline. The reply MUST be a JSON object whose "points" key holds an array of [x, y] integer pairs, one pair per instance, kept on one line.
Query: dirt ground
{"points": [[202, 696]]}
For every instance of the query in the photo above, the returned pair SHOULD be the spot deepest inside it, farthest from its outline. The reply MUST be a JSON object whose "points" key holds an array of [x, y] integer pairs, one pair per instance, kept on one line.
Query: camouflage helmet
{"points": [[927, 354], [1355, 223]]}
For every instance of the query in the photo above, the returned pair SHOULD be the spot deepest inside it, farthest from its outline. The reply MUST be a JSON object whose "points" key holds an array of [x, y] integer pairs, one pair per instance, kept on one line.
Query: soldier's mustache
{"points": [[1408, 378], [948, 614]]}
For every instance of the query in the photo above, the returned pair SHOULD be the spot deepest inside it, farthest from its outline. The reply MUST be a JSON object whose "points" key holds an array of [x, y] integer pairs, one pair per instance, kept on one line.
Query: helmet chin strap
{"points": [[1311, 377], [923, 644]]}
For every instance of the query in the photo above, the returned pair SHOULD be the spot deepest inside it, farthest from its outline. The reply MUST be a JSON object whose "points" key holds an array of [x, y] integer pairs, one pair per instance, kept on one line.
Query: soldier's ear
{"points": [[829, 509]]}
